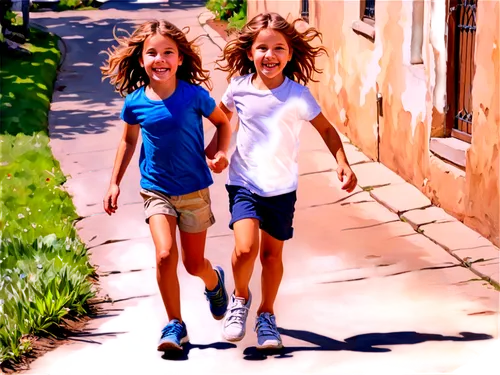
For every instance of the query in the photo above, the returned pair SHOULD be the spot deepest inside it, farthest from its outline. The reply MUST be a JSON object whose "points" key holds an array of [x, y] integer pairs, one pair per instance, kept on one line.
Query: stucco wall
{"points": [[414, 98], [482, 170]]}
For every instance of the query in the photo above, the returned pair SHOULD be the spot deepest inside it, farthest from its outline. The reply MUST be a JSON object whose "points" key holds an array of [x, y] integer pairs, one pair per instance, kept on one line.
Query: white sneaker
{"points": [[235, 320]]}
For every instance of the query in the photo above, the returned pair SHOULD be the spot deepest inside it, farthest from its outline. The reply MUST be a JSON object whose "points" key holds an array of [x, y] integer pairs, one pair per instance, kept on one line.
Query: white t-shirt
{"points": [[267, 142]]}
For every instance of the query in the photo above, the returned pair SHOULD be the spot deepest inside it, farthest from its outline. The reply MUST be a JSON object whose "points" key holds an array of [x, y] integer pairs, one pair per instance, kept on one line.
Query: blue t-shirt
{"points": [[172, 159]]}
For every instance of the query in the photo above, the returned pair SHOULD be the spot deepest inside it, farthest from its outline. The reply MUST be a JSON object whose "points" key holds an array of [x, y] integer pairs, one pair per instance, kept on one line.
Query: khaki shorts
{"points": [[193, 211]]}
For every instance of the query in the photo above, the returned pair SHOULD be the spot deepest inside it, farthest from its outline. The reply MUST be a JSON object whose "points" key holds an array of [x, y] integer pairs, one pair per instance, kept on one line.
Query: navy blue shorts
{"points": [[275, 214]]}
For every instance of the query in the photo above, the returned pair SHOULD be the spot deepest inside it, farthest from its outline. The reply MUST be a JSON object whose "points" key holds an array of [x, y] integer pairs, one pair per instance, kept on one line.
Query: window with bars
{"points": [[461, 67], [304, 10], [369, 10]]}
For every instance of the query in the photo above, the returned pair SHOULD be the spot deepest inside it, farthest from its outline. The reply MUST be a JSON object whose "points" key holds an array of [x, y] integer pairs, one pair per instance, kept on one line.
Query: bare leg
{"points": [[163, 231], [193, 257], [271, 251], [246, 234]]}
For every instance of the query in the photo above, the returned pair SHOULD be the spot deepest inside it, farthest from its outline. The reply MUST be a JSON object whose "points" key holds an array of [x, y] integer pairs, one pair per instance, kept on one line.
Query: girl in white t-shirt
{"points": [[270, 59]]}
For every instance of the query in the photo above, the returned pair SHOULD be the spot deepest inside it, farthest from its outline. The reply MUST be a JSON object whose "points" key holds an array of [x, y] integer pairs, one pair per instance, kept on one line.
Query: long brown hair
{"points": [[301, 68], [123, 68]]}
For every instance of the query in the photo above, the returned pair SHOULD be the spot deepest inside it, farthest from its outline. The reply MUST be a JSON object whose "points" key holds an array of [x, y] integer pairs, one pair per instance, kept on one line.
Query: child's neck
{"points": [[263, 83], [161, 91]]}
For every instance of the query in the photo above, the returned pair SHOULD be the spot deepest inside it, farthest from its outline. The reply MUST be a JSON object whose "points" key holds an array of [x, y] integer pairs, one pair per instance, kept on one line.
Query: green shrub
{"points": [[239, 18], [44, 267], [67, 5], [233, 11], [75, 4]]}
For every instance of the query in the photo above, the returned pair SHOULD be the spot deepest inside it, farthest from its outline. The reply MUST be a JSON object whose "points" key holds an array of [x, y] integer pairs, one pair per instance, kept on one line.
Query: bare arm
{"points": [[212, 148], [331, 138], [223, 132], [124, 154], [334, 144]]}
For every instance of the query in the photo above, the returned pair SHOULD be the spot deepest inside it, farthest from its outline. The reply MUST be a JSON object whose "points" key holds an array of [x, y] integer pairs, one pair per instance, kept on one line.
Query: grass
{"points": [[44, 267]]}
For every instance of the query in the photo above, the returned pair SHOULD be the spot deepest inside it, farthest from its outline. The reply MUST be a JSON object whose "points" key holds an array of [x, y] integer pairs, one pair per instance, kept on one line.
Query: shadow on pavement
{"points": [[175, 355], [367, 343], [86, 336]]}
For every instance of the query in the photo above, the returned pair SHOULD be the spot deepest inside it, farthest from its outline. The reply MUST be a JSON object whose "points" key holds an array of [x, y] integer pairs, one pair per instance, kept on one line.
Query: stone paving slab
{"points": [[127, 223], [428, 215], [309, 185], [129, 284], [400, 198], [375, 174], [313, 161], [488, 270], [466, 245], [486, 253], [88, 196], [454, 235], [354, 155], [134, 254], [415, 208], [357, 198]]}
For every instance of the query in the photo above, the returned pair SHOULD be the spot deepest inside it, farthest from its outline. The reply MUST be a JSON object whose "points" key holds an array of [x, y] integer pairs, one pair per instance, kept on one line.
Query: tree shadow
{"points": [[82, 103], [183, 355], [366, 343]]}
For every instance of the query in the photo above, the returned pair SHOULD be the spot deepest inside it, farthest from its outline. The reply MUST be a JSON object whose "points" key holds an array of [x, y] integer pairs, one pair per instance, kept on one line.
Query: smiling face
{"points": [[160, 58], [270, 53]]}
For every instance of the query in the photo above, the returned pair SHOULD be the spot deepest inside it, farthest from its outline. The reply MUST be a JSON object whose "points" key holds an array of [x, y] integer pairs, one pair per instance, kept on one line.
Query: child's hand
{"points": [[110, 201], [218, 163], [347, 176]]}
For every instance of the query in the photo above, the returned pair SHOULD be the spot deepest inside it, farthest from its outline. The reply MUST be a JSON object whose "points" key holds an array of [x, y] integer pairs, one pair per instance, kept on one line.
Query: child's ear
{"points": [[249, 55], [141, 63], [290, 55], [181, 59]]}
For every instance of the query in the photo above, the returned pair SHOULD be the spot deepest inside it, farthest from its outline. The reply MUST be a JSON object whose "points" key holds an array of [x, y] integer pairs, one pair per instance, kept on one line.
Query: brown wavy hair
{"points": [[300, 69], [123, 68]]}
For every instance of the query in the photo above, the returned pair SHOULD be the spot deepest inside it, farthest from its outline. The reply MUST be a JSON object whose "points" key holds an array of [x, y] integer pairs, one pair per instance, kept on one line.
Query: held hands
{"points": [[347, 177], [110, 201], [219, 162]]}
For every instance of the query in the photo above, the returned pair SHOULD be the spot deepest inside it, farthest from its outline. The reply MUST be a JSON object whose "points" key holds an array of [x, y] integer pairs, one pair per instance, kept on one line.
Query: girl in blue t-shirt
{"points": [[269, 60], [160, 73]]}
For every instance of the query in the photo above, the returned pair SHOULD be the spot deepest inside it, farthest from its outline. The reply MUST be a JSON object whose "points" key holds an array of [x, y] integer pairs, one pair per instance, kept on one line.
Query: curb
{"points": [[214, 37], [61, 44]]}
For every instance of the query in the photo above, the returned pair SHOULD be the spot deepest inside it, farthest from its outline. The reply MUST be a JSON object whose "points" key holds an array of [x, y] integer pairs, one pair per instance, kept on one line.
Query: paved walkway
{"points": [[363, 292]]}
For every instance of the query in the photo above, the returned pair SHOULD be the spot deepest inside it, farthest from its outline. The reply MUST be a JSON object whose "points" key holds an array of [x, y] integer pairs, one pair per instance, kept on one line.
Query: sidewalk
{"points": [[363, 292]]}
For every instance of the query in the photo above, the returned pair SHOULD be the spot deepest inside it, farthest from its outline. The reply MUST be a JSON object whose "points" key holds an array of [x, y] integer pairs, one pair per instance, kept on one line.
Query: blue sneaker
{"points": [[173, 336], [268, 336], [218, 297]]}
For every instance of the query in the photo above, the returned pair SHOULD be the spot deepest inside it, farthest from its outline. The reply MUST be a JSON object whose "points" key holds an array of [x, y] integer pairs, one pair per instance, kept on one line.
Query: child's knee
{"points": [[246, 251], [165, 257], [194, 268], [270, 257]]}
